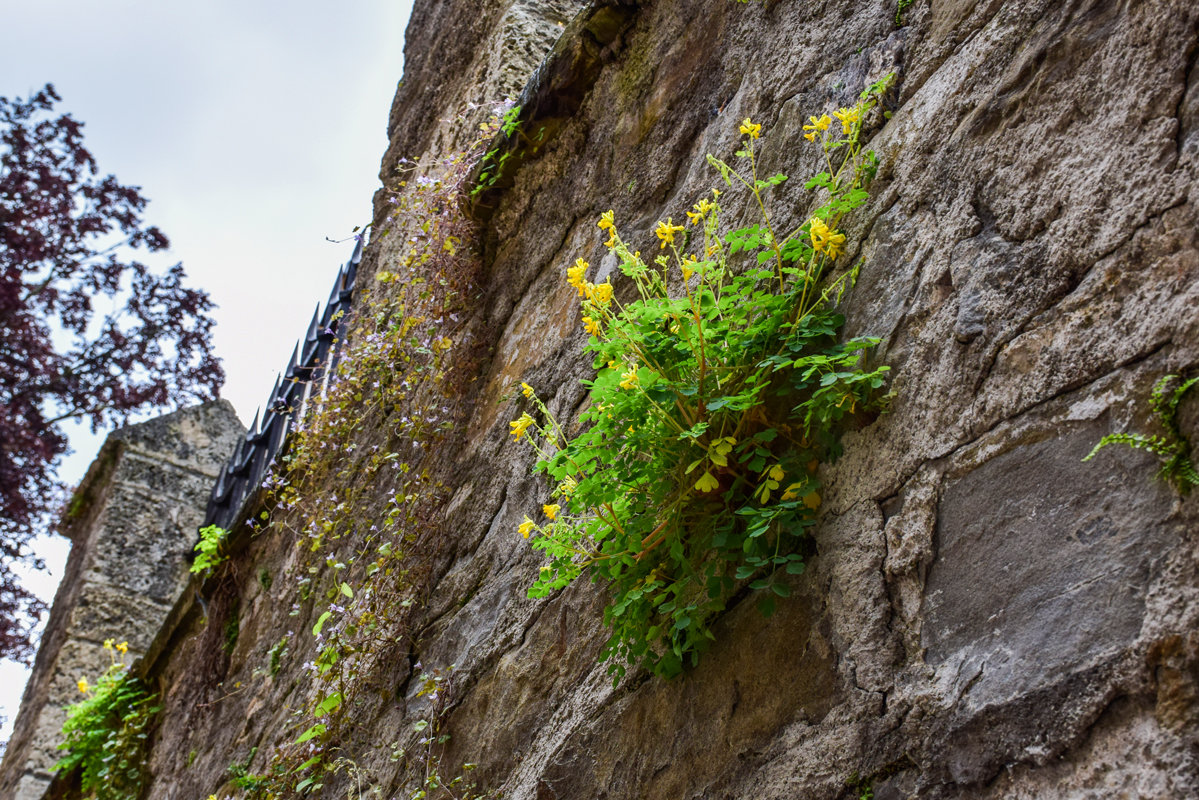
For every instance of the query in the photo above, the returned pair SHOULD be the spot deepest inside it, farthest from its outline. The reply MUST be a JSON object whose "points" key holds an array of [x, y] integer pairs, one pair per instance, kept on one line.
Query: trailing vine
{"points": [[392, 393]]}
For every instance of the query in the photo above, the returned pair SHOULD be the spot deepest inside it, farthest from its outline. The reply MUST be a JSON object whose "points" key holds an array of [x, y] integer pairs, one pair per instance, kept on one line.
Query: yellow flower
{"points": [[666, 231], [108, 643], [629, 379], [123, 648], [591, 325], [824, 239], [546, 569], [607, 221], [818, 125], [835, 242], [701, 210], [521, 425], [601, 293], [551, 511], [574, 275], [688, 267], [848, 116], [526, 527], [819, 232], [83, 685], [750, 129], [568, 486], [526, 390]]}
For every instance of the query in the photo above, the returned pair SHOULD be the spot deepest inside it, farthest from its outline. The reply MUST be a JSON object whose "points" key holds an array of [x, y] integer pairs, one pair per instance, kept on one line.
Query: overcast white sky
{"points": [[255, 129]]}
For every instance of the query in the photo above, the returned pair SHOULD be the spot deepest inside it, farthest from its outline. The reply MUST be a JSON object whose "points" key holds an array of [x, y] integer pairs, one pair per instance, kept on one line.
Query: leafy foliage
{"points": [[105, 736], [393, 392], [1171, 447], [65, 239], [719, 392], [209, 550]]}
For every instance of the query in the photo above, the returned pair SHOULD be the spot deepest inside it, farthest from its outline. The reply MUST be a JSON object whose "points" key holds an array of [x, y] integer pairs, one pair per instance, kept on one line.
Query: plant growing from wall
{"points": [[426, 767], [209, 551], [105, 733], [392, 393], [719, 392], [1171, 447]]}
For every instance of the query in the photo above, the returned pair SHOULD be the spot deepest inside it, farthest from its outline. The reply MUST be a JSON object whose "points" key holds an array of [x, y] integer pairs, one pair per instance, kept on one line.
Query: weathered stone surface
{"points": [[132, 522], [985, 615]]}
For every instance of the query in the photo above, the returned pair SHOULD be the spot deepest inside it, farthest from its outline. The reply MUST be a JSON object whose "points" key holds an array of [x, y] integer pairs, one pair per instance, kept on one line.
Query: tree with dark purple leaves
{"points": [[86, 332]]}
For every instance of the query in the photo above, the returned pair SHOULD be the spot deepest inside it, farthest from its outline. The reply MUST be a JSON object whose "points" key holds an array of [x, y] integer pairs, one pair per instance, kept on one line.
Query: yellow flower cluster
{"points": [[526, 527], [122, 648], [574, 276], [848, 117], [526, 390], [825, 239], [551, 510], [666, 231], [701, 210], [751, 129], [520, 425], [608, 223], [84, 686], [819, 124], [688, 267], [629, 378], [600, 293]]}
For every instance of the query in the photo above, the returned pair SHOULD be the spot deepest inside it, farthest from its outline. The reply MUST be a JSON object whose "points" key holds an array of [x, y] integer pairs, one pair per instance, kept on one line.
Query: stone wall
{"points": [[985, 615], [132, 523]]}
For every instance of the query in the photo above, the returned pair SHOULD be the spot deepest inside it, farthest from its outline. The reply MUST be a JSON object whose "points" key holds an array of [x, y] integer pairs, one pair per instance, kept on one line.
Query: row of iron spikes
{"points": [[317, 341]]}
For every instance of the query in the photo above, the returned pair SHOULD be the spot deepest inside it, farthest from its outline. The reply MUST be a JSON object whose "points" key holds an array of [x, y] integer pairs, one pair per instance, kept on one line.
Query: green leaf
{"points": [[320, 623], [328, 705], [346, 590], [313, 732], [310, 762], [707, 483]]}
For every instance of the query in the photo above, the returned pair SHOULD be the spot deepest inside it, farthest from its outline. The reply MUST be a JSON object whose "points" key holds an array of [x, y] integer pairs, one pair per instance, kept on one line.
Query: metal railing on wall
{"points": [[311, 361]]}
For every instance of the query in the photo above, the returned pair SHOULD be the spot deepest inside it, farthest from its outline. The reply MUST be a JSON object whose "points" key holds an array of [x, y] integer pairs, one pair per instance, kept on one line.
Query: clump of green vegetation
{"points": [[243, 779], [428, 778], [105, 734], [394, 392], [1171, 446], [210, 549], [275, 656], [719, 393]]}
